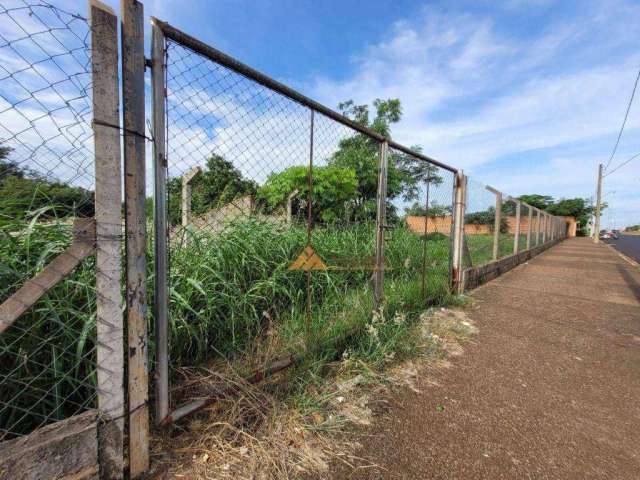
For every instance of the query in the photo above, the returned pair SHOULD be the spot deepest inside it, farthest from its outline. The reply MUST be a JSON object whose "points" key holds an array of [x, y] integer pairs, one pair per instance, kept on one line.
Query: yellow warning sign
{"points": [[308, 260]]}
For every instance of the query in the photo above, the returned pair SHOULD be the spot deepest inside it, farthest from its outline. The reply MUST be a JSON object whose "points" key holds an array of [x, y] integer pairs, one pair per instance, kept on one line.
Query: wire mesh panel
{"points": [[479, 224], [271, 227], [47, 356], [525, 230], [419, 226], [508, 228], [276, 208]]}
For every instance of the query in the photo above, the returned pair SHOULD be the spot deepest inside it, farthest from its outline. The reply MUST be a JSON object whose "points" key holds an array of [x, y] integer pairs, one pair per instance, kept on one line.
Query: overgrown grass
{"points": [[230, 293], [47, 357], [481, 247]]}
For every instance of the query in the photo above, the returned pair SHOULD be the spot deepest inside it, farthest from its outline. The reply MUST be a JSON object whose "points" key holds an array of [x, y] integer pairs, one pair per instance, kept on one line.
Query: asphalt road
{"points": [[627, 244]]}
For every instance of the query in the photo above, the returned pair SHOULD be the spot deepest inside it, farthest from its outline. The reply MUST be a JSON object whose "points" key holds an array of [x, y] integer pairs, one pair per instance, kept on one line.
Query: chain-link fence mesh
{"points": [[278, 203], [258, 193], [521, 227], [479, 222], [418, 232], [47, 357], [507, 228]]}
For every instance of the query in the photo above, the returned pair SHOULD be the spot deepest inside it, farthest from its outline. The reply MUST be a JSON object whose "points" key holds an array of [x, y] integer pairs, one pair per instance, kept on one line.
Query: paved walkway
{"points": [[549, 388]]}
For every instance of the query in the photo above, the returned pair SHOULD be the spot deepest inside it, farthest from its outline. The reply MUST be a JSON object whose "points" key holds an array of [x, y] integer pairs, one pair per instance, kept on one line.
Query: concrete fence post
{"points": [[187, 179], [516, 239], [457, 234], [108, 198], [529, 226], [496, 225], [133, 101], [380, 224]]}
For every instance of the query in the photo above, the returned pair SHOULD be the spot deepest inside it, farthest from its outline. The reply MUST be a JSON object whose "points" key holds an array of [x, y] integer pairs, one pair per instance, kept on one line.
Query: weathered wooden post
{"points": [[108, 197], [378, 288], [187, 179], [133, 106]]}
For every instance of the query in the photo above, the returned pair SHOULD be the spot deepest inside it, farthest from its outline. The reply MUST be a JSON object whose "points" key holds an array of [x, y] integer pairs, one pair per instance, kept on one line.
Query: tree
{"points": [[579, 208], [435, 210], [360, 153], [219, 184], [334, 192], [416, 174], [486, 217], [538, 201]]}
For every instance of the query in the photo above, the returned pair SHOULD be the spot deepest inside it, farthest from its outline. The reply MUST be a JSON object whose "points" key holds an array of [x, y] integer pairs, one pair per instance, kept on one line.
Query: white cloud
{"points": [[473, 94]]}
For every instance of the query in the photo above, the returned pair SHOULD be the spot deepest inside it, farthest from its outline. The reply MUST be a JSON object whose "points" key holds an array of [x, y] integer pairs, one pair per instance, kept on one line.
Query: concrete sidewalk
{"points": [[549, 388]]}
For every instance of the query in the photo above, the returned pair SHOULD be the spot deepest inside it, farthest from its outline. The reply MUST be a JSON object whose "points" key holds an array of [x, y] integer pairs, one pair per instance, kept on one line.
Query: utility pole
{"points": [[596, 230]]}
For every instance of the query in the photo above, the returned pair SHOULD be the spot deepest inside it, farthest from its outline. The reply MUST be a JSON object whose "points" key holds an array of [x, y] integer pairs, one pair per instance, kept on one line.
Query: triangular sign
{"points": [[308, 260]]}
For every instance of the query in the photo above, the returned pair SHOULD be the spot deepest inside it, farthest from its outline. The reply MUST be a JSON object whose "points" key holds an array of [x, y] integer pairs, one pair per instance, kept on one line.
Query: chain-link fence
{"points": [[48, 355], [418, 230], [498, 226], [479, 224], [287, 208]]}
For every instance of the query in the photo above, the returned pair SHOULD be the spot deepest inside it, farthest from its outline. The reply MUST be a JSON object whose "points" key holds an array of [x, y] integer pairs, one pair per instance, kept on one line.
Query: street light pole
{"points": [[596, 232]]}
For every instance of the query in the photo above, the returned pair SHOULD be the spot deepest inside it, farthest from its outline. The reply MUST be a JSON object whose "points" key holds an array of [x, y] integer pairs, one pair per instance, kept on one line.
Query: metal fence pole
{"points": [[496, 225], [516, 239], [108, 197], [457, 234], [380, 224], [544, 228], [133, 64], [160, 220]]}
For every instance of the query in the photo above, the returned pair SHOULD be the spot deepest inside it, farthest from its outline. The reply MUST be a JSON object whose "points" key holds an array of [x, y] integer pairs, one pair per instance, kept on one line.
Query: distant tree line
{"points": [[344, 187], [25, 192]]}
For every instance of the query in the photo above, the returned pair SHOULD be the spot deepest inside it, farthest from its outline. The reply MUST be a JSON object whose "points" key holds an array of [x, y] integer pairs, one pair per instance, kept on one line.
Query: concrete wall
{"points": [[476, 276], [443, 225]]}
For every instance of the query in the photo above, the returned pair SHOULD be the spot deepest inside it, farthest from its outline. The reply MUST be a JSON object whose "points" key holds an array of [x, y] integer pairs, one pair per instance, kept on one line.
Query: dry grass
{"points": [[275, 431]]}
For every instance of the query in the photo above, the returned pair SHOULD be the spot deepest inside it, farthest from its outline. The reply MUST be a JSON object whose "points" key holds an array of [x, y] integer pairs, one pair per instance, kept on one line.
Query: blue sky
{"points": [[527, 96], [524, 95]]}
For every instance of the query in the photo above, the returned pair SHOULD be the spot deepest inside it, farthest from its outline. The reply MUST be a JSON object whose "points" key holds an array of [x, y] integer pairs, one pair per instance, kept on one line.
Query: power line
{"points": [[624, 122], [623, 164]]}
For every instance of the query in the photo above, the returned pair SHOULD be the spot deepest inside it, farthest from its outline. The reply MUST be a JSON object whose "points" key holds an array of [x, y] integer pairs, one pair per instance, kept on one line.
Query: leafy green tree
{"points": [[486, 217], [360, 153], [334, 192], [416, 174], [538, 201], [580, 208], [219, 184], [406, 175], [435, 210]]}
